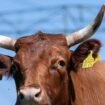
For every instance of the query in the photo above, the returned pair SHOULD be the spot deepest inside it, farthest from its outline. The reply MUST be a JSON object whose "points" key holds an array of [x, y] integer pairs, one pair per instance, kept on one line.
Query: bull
{"points": [[46, 72]]}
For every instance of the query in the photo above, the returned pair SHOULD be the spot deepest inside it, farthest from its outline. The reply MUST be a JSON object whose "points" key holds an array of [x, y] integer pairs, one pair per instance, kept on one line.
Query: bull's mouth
{"points": [[31, 103]]}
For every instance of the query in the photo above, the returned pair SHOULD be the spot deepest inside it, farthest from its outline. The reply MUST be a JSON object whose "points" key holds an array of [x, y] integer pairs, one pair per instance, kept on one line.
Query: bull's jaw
{"points": [[30, 99], [27, 103], [31, 102]]}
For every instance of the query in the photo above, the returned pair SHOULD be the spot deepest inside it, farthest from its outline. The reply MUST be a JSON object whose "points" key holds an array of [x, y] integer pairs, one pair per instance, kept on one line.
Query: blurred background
{"points": [[24, 17]]}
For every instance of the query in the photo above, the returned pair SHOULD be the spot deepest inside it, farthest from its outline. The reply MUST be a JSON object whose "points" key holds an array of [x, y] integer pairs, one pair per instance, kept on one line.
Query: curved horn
{"points": [[87, 31], [6, 42]]}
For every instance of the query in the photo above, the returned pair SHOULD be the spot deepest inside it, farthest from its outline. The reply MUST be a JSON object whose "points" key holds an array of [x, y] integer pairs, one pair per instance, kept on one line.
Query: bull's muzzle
{"points": [[33, 96], [29, 94]]}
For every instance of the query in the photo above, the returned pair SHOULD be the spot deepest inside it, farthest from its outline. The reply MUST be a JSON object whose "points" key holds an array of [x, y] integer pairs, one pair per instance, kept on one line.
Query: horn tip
{"points": [[104, 6]]}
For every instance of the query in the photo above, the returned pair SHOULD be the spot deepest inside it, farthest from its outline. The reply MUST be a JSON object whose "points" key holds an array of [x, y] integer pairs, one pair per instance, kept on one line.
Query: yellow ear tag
{"points": [[90, 61]]}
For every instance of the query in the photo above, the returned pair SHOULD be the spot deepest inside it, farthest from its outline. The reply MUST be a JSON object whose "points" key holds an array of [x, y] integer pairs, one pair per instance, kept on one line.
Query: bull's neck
{"points": [[88, 85], [81, 87]]}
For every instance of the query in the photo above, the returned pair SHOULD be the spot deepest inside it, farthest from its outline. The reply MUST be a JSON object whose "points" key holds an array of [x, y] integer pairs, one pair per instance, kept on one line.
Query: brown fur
{"points": [[44, 60], [89, 85], [37, 58]]}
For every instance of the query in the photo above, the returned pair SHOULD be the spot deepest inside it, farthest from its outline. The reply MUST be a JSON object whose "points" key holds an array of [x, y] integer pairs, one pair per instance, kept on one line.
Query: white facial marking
{"points": [[29, 93], [31, 96]]}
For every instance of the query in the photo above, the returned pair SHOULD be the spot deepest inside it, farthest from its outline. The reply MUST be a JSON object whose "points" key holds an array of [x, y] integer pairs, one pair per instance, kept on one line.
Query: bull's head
{"points": [[41, 66]]}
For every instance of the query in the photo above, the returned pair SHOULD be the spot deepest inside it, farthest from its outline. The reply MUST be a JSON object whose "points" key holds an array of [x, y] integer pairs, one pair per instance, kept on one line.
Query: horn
{"points": [[6, 42], [87, 31]]}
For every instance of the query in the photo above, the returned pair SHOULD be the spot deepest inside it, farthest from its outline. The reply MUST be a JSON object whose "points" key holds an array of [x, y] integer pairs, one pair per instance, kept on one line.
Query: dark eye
{"points": [[62, 63]]}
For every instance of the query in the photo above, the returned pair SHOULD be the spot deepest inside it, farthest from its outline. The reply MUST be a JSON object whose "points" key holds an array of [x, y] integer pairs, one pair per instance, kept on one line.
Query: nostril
{"points": [[37, 93], [21, 96]]}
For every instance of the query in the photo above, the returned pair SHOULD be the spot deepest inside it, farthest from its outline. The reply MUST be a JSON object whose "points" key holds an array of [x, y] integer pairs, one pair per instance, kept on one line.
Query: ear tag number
{"points": [[89, 61]]}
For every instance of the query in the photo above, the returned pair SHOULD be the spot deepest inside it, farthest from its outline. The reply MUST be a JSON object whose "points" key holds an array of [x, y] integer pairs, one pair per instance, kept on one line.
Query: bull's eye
{"points": [[62, 63], [58, 65]]}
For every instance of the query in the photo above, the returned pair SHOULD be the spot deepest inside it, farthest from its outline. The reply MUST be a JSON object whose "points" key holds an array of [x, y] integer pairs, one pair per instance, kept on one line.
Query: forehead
{"points": [[41, 46]]}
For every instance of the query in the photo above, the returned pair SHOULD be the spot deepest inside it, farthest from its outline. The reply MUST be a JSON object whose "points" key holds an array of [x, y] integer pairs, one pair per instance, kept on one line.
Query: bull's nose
{"points": [[20, 96], [29, 94], [37, 93]]}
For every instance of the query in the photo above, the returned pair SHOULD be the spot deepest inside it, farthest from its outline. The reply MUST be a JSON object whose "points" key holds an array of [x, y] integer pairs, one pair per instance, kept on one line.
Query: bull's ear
{"points": [[82, 51], [5, 65]]}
